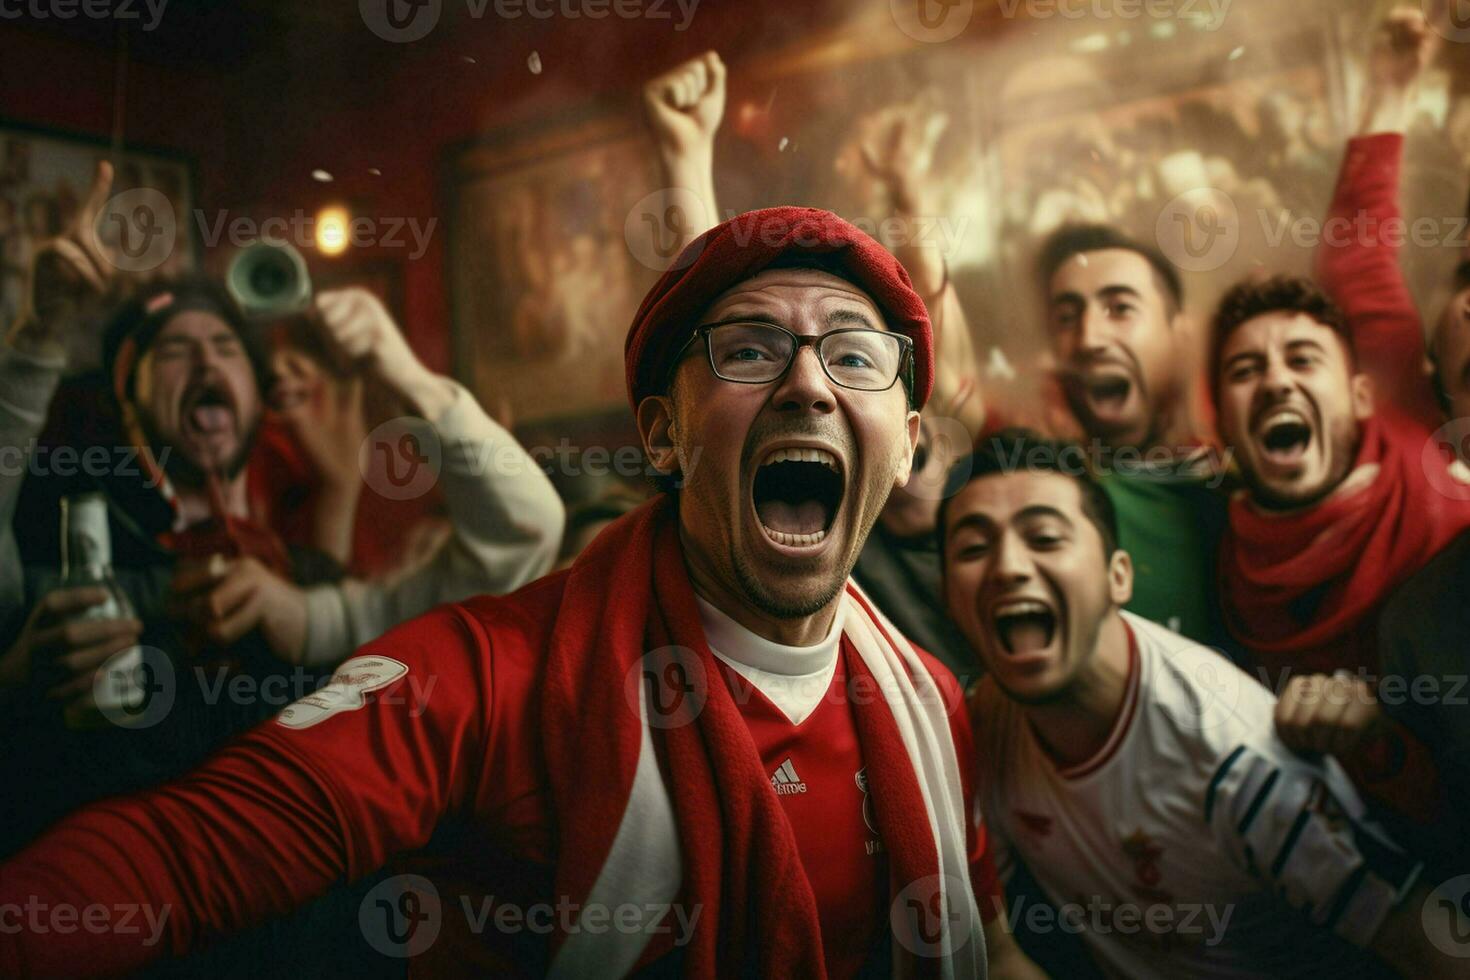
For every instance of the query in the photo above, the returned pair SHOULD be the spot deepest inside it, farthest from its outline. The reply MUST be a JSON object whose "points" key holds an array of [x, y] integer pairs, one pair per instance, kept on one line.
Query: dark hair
{"points": [[1019, 451], [154, 305], [1460, 283], [1069, 241], [1251, 298]]}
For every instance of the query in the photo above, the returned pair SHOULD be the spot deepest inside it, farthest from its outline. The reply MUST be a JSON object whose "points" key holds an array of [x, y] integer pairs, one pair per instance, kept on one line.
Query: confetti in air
{"points": [[999, 367]]}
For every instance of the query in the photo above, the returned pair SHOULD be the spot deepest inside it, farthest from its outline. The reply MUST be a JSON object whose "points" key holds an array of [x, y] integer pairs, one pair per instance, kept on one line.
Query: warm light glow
{"points": [[331, 230]]}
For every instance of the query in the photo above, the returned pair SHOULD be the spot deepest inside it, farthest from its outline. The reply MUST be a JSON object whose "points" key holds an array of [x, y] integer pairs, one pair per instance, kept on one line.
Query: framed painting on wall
{"points": [[542, 280], [44, 179]]}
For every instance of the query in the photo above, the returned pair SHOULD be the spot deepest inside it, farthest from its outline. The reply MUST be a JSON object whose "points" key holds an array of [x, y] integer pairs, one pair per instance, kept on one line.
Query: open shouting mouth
{"points": [[1107, 394], [797, 493], [208, 413], [1106, 391], [1283, 436], [1026, 631]]}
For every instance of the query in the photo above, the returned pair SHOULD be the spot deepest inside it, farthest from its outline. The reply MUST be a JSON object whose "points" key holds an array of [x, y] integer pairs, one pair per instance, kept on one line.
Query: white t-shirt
{"points": [[1194, 843], [795, 679]]}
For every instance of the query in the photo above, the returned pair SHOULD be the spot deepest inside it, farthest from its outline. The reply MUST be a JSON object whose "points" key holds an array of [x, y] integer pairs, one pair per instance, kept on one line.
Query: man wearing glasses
{"points": [[698, 750]]}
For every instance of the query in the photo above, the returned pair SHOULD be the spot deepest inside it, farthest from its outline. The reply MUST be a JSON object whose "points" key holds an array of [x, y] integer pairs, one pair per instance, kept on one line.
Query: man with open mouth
{"points": [[1120, 339], [702, 727], [1323, 399], [898, 566], [1137, 774]]}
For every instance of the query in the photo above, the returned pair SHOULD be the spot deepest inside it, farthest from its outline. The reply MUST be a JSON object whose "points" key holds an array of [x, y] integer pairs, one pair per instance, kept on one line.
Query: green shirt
{"points": [[1171, 525]]}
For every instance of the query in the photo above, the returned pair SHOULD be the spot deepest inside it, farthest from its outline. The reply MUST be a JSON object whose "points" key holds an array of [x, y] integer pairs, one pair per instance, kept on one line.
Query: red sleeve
{"points": [[272, 820], [1398, 770], [1358, 266], [989, 891]]}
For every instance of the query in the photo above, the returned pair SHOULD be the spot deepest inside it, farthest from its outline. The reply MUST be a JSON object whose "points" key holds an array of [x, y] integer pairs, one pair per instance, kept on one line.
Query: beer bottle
{"points": [[86, 561]]}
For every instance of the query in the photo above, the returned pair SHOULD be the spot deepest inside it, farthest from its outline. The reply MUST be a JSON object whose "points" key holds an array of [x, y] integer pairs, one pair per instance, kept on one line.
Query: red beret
{"points": [[732, 252]]}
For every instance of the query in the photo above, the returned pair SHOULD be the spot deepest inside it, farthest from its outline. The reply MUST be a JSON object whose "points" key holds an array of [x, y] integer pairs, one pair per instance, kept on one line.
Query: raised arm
{"points": [[70, 280], [505, 516], [1358, 258], [338, 783], [69, 283], [897, 146], [684, 108]]}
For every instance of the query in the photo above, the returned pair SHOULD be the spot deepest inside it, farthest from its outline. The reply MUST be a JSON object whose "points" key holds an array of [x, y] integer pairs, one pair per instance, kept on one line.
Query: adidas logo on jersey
{"points": [[785, 781]]}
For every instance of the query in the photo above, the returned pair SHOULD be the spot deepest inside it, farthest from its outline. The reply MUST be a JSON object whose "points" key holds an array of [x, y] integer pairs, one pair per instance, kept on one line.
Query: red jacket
{"points": [[282, 814]]}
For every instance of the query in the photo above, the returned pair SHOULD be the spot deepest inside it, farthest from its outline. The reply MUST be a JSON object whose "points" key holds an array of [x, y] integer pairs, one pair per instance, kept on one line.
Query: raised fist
{"points": [[1327, 714], [362, 329], [1403, 47], [685, 105]]}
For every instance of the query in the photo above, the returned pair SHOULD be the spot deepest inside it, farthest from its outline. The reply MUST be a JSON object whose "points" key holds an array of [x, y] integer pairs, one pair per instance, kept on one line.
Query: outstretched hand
{"points": [[70, 275], [898, 148]]}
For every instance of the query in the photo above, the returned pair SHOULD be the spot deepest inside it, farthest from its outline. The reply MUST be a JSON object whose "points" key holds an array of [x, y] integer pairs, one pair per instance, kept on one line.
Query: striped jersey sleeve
{"points": [[1301, 828]]}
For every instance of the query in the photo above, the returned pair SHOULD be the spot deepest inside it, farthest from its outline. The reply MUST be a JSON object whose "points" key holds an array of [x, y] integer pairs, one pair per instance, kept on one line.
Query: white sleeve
{"points": [[27, 384], [506, 520], [1301, 828]]}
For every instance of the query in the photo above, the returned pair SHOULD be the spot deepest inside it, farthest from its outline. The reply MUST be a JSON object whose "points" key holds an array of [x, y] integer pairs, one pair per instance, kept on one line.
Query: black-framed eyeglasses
{"points": [[753, 353]]}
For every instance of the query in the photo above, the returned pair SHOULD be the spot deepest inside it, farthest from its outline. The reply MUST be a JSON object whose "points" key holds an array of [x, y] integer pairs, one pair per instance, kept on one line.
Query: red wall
{"points": [[346, 101]]}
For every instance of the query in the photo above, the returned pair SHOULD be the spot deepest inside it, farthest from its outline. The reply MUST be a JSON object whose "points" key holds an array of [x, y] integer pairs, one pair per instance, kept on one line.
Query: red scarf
{"points": [[225, 534], [1302, 590], [627, 595]]}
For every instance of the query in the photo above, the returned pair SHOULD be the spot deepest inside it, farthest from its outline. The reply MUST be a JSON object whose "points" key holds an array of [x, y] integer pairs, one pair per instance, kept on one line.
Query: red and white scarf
{"points": [[655, 807]]}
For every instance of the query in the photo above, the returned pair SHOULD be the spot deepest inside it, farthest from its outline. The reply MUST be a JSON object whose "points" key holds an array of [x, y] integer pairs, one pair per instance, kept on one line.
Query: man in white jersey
{"points": [[1137, 774]]}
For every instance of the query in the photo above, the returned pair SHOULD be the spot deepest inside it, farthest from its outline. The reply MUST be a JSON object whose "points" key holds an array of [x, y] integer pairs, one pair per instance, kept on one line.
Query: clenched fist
{"points": [[685, 106], [362, 329], [1328, 714], [1403, 47]]}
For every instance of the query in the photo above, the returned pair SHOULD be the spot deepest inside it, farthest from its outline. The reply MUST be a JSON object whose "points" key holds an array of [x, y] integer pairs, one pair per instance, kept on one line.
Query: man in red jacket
{"points": [[1322, 395], [699, 747]]}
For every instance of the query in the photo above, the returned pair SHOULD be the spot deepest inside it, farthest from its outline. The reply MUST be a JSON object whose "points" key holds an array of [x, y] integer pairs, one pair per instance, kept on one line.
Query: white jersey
{"points": [[1194, 843]]}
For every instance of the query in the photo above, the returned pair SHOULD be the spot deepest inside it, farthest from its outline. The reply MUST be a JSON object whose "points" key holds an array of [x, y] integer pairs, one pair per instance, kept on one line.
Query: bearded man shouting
{"points": [[702, 731]]}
